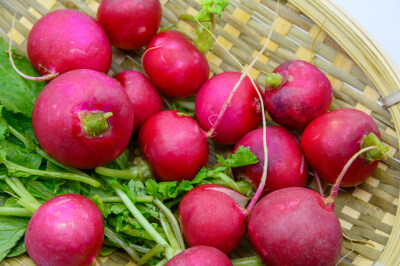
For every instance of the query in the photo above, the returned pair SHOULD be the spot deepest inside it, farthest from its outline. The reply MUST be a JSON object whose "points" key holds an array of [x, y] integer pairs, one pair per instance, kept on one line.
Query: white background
{"points": [[381, 19]]}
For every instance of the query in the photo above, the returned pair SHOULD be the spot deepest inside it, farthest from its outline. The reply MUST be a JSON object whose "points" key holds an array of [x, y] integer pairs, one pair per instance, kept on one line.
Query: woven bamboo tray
{"points": [[312, 30]]}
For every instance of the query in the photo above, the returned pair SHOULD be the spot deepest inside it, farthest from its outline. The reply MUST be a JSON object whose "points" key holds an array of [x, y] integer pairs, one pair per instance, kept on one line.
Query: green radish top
{"points": [[94, 123], [374, 154], [274, 80]]}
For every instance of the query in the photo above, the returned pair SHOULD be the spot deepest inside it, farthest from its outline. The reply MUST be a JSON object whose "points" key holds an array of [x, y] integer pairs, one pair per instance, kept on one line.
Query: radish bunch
{"points": [[85, 119]]}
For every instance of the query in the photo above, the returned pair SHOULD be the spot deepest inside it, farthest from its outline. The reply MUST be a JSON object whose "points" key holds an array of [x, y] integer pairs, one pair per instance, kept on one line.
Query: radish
{"points": [[66, 230], [295, 226], [296, 93], [214, 216], [200, 256], [331, 139], [174, 146], [174, 65], [145, 99], [83, 119], [130, 24], [64, 40], [286, 163], [242, 115]]}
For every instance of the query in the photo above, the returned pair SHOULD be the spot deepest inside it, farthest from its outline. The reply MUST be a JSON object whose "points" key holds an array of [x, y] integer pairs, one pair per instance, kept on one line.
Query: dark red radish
{"points": [[213, 215], [66, 230], [83, 119], [296, 93], [64, 40], [331, 139], [174, 145], [130, 24], [286, 163], [294, 226], [200, 256], [174, 65], [145, 99], [243, 114]]}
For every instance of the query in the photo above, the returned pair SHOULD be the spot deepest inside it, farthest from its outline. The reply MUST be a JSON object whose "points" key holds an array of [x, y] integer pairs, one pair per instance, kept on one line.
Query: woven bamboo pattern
{"points": [[367, 213]]}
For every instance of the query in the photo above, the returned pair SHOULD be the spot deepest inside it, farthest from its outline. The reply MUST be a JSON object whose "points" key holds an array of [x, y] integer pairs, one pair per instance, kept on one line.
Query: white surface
{"points": [[381, 19]]}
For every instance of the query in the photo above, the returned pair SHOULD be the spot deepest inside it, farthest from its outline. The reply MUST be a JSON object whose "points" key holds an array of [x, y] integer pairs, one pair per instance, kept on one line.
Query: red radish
{"points": [[296, 93], [243, 114], [213, 215], [294, 226], [174, 146], [200, 256], [64, 40], [145, 99], [83, 119], [174, 65], [130, 24], [331, 139], [286, 163], [66, 230]]}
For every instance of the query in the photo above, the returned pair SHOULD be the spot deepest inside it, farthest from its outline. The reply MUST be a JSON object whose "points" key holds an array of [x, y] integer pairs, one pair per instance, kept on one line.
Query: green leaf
{"points": [[17, 249], [168, 189], [3, 156], [99, 203], [12, 230], [204, 40], [21, 156], [122, 162], [242, 156], [211, 7], [152, 188], [42, 190], [21, 123], [201, 175], [107, 251], [16, 93]]}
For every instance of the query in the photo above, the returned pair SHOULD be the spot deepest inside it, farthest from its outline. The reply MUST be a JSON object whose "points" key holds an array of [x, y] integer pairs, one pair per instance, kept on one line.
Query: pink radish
{"points": [[296, 93], [83, 119], [286, 163], [130, 24], [295, 226], [242, 115], [64, 40], [214, 216], [66, 230], [174, 65], [145, 99], [174, 146], [200, 256], [331, 139]]}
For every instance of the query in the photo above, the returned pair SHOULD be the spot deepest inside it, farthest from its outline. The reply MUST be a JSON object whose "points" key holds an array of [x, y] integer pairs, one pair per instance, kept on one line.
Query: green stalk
{"points": [[141, 219], [154, 251], [26, 199], [172, 220], [110, 233], [12, 167], [22, 188], [140, 198], [162, 262], [43, 153], [169, 233], [137, 233], [189, 105], [13, 211], [135, 172], [249, 261]]}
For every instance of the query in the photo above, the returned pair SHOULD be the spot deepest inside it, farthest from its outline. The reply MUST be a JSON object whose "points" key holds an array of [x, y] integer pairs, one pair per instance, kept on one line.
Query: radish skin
{"points": [[200, 256]]}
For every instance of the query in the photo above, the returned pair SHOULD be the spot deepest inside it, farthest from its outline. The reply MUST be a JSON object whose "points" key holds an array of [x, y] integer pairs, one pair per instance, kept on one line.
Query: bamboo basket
{"points": [[316, 31]]}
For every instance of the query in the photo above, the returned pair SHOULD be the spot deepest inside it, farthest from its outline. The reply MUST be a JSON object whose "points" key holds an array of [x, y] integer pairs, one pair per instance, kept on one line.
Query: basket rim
{"points": [[376, 64]]}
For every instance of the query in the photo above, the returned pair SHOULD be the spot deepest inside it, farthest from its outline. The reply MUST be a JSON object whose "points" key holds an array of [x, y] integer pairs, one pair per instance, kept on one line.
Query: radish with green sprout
{"points": [[296, 93], [83, 119], [332, 138]]}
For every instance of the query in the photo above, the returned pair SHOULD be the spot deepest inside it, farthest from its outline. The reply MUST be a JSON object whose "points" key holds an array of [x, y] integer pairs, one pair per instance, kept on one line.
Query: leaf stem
{"points": [[136, 172], [15, 211], [110, 233], [249, 261], [154, 251]]}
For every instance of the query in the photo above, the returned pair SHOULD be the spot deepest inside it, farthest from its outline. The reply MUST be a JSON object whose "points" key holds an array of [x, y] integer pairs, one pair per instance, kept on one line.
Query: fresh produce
{"points": [[66, 230], [242, 115], [174, 65], [64, 40], [174, 146], [296, 93], [214, 216], [130, 24], [286, 163], [145, 99], [295, 226], [331, 139], [200, 256], [83, 119]]}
